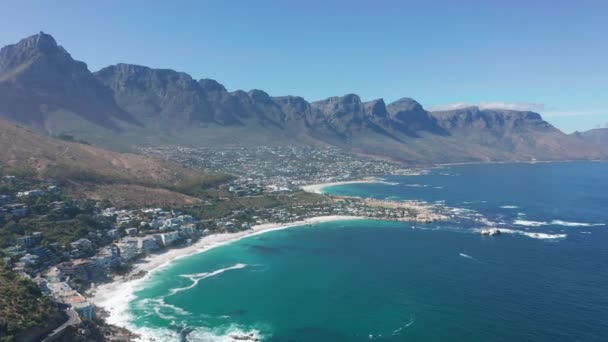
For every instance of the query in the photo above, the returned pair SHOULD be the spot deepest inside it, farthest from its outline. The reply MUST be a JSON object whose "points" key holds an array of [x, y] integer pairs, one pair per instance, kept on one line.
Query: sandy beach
{"points": [[317, 188], [115, 296]]}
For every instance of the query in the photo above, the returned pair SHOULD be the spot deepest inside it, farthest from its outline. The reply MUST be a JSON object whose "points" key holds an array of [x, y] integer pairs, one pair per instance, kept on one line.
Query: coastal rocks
{"points": [[490, 231], [137, 274], [244, 337]]}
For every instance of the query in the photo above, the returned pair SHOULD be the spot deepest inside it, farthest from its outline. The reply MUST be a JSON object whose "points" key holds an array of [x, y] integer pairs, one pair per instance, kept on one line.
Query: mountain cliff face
{"points": [[344, 115], [496, 120], [513, 135], [155, 95], [598, 136], [42, 87], [409, 117]]}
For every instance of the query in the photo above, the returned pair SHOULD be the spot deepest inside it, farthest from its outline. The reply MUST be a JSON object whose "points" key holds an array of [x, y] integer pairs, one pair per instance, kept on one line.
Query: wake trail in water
{"points": [[466, 256], [407, 325], [197, 277]]}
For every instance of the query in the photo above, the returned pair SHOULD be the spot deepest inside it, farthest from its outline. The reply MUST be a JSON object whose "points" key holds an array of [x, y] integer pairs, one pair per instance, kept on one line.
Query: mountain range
{"points": [[119, 106]]}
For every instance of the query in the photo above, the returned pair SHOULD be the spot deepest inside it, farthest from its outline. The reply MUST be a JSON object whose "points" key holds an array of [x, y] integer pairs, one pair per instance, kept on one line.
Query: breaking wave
{"points": [[161, 309], [416, 185], [529, 223], [575, 224], [229, 333], [534, 235]]}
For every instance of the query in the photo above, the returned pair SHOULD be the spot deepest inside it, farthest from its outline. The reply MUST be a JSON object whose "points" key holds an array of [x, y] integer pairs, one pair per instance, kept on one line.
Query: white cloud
{"points": [[522, 106]]}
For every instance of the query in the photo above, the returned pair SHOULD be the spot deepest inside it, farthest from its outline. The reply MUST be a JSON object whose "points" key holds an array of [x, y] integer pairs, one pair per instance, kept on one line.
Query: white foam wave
{"points": [[230, 334], [530, 223], [221, 334], [416, 185], [485, 221], [575, 224], [534, 235], [197, 277], [509, 207], [161, 308], [462, 211]]}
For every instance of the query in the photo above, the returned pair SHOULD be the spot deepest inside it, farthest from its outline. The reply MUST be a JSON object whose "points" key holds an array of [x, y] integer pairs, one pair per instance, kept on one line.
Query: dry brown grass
{"points": [[100, 174]]}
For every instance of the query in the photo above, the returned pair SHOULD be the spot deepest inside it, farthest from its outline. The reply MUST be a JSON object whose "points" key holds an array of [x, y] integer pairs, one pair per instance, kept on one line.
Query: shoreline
{"points": [[318, 187], [114, 297]]}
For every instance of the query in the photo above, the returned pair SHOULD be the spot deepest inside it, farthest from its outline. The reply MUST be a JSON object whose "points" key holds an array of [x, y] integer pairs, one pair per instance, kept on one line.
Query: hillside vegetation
{"points": [[24, 312], [89, 171]]}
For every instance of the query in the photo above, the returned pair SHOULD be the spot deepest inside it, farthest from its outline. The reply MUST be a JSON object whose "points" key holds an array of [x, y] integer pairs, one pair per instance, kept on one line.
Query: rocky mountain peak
{"points": [[210, 85], [259, 96], [376, 108], [404, 106], [32, 48]]}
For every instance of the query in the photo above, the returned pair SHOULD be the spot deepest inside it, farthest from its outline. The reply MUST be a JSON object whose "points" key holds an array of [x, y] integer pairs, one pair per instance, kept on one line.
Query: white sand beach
{"points": [[114, 297], [317, 188]]}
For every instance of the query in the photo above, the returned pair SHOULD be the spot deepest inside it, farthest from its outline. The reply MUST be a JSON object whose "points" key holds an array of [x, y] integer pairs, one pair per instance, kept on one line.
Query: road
{"points": [[73, 319]]}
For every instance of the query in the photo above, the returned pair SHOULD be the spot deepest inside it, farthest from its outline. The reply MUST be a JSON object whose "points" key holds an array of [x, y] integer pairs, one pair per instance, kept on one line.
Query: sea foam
{"points": [[530, 223], [534, 235], [197, 277], [575, 224]]}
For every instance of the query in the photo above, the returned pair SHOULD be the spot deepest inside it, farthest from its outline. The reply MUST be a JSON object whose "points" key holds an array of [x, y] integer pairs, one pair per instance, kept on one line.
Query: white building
{"points": [[168, 238], [147, 244], [127, 248]]}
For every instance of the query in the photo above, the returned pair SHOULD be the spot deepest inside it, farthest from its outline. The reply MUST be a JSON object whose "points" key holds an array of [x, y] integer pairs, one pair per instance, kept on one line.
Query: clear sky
{"points": [[551, 56]]}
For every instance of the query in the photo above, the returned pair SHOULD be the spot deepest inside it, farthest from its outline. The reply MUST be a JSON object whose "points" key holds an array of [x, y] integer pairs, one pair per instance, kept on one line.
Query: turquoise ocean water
{"points": [[394, 281]]}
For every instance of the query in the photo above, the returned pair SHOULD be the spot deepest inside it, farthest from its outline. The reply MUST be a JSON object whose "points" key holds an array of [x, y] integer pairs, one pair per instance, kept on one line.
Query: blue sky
{"points": [[550, 56]]}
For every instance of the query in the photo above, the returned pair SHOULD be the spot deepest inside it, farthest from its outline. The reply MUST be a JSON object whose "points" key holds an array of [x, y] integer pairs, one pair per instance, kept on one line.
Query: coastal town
{"points": [[108, 244], [280, 168]]}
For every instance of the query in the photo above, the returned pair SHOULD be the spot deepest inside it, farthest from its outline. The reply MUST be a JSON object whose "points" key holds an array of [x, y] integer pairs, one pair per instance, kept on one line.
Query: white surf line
{"points": [[530, 223], [115, 297]]}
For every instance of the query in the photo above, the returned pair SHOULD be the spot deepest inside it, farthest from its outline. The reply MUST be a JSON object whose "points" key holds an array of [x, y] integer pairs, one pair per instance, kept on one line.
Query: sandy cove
{"points": [[115, 296], [317, 188]]}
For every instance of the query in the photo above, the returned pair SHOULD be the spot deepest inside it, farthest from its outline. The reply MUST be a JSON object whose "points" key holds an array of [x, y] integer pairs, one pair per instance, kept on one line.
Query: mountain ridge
{"points": [[125, 104]]}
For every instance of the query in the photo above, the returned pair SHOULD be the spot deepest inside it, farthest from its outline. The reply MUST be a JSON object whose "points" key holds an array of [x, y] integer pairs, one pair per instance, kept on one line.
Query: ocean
{"points": [[544, 279]]}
